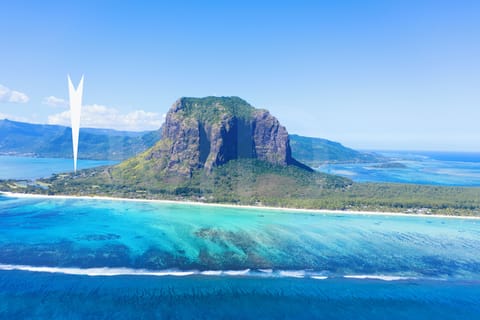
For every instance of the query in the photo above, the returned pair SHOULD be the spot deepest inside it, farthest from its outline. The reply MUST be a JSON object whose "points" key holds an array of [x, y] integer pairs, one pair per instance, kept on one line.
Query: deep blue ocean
{"points": [[432, 168], [106, 259]]}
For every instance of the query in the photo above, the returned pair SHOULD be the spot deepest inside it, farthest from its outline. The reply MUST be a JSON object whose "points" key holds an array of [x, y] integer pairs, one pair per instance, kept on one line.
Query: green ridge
{"points": [[211, 109]]}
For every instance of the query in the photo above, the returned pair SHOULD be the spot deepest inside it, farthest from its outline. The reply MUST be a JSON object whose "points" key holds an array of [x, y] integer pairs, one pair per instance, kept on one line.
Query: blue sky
{"points": [[371, 74]]}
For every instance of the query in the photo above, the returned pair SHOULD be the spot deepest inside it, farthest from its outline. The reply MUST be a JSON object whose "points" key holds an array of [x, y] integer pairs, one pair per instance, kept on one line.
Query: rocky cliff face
{"points": [[207, 132]]}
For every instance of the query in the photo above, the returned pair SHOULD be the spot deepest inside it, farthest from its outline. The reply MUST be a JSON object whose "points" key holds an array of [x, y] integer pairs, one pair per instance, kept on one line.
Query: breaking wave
{"points": [[104, 271]]}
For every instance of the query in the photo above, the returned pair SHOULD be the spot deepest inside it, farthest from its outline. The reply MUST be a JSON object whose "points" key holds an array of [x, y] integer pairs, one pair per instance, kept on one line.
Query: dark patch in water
{"points": [[65, 254], [100, 237], [158, 259], [226, 238]]}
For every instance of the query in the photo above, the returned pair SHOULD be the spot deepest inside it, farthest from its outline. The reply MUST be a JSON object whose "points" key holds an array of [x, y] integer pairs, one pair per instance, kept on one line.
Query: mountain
{"points": [[222, 150], [38, 140], [25, 138], [215, 148], [208, 132], [316, 151]]}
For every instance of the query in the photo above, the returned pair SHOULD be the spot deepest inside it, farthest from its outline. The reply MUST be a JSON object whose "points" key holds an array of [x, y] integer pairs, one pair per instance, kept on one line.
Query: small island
{"points": [[389, 165]]}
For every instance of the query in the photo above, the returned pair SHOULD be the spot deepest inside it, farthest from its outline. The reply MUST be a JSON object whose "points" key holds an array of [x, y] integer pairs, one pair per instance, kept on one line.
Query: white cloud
{"points": [[8, 95], [4, 93], [53, 101], [18, 97], [100, 116]]}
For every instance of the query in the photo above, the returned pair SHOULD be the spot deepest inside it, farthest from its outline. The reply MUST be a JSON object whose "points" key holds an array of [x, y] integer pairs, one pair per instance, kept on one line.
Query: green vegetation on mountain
{"points": [[203, 133], [211, 109], [238, 181]]}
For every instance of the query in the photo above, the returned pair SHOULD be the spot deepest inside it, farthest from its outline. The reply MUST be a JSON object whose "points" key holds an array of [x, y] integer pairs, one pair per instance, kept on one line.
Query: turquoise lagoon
{"points": [[87, 258], [431, 168], [27, 168]]}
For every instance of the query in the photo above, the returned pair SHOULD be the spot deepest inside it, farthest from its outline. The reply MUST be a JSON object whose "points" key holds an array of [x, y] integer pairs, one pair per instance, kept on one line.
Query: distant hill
{"points": [[41, 140], [53, 141], [316, 151]]}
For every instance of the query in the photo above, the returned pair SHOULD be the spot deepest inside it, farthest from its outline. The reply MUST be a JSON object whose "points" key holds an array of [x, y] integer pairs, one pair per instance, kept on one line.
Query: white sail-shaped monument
{"points": [[75, 110]]}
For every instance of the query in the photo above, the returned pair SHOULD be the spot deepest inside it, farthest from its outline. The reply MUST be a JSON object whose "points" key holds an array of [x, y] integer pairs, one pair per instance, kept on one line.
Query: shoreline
{"points": [[226, 205]]}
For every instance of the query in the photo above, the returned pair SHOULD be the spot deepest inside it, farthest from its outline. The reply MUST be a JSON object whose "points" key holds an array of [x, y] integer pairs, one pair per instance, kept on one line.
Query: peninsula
{"points": [[223, 150]]}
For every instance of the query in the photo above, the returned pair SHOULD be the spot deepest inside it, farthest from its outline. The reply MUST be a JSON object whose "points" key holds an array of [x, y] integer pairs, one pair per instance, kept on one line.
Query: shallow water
{"points": [[434, 168], [12, 167], [79, 258], [157, 236]]}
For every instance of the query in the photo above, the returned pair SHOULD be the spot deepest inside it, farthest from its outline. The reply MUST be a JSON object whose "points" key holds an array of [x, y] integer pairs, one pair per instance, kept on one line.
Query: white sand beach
{"points": [[196, 203]]}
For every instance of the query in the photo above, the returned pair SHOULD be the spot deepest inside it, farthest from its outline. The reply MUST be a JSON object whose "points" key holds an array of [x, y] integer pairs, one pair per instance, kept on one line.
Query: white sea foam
{"points": [[123, 271], [378, 277], [98, 271], [211, 273], [292, 273], [180, 273], [265, 270], [236, 272]]}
